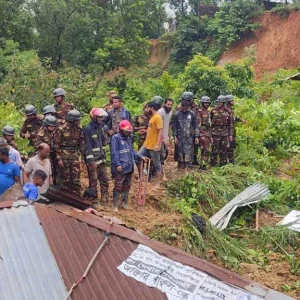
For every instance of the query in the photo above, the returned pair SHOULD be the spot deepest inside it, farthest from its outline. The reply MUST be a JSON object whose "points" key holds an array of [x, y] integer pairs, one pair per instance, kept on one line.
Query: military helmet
{"points": [[229, 98], [73, 115], [50, 121], [205, 99], [8, 130], [59, 92], [158, 100], [221, 99], [30, 110], [49, 109], [187, 96]]}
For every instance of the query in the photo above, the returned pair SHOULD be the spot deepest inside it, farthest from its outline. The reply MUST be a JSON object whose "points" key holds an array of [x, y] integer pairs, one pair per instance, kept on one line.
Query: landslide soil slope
{"points": [[276, 44]]}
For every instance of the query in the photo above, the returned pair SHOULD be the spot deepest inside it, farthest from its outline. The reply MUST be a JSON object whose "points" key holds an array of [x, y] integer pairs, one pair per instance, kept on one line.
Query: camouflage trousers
{"points": [[205, 144], [122, 182], [100, 174], [219, 150], [70, 174], [231, 150]]}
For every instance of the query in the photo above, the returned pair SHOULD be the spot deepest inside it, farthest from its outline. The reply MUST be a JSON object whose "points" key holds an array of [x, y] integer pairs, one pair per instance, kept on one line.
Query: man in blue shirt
{"points": [[9, 172], [30, 189]]}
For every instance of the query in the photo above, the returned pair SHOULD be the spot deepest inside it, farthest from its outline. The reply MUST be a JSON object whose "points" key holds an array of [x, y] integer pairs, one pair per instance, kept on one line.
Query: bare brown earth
{"points": [[159, 54], [276, 44]]}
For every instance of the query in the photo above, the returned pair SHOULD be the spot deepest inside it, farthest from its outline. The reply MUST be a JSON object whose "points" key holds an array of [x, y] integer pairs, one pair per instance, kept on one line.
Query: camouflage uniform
{"points": [[71, 141], [185, 129], [107, 107], [205, 134], [32, 127], [141, 121], [221, 129], [51, 138], [62, 111]]}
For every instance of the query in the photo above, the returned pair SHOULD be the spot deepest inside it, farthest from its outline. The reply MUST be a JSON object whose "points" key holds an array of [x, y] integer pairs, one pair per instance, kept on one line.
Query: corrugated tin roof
{"points": [[28, 270], [74, 237], [74, 243]]}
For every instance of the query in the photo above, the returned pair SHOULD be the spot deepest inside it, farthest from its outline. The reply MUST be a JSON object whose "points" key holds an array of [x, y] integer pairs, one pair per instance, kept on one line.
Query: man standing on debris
{"points": [[116, 115], [166, 114], [71, 144], [140, 126], [39, 162], [152, 145], [49, 134], [205, 131], [95, 157], [109, 106], [9, 172], [31, 125], [62, 108], [122, 158], [186, 133], [221, 130], [232, 144]]}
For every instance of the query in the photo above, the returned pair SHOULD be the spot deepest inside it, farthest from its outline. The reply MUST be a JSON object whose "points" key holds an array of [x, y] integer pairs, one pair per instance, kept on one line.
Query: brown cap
{"points": [[3, 142]]}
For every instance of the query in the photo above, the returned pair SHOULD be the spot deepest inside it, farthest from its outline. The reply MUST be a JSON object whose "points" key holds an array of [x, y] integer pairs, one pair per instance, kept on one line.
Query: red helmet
{"points": [[125, 126], [97, 112]]}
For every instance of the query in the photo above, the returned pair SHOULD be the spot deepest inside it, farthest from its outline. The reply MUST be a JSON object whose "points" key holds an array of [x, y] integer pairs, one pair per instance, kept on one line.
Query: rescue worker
{"points": [[116, 115], [109, 106], [49, 134], [31, 125], [205, 131], [62, 108], [232, 144], [221, 130], [71, 145], [122, 158], [158, 100], [95, 157], [8, 133], [49, 110], [186, 133], [140, 126]]}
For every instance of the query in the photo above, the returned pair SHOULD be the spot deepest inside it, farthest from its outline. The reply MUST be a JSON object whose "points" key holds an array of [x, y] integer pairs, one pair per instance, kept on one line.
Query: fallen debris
{"points": [[253, 194], [292, 220]]}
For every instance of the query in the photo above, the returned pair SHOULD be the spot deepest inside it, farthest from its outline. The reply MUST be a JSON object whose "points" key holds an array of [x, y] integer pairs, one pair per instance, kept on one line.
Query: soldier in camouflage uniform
{"points": [[186, 133], [205, 131], [8, 133], [71, 144], [95, 157], [62, 108], [49, 110], [222, 131], [49, 134], [140, 126], [109, 106], [31, 125], [232, 144]]}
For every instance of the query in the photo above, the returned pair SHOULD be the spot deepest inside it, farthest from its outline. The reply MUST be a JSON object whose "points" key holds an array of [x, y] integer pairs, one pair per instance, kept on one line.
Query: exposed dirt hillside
{"points": [[159, 53], [276, 44]]}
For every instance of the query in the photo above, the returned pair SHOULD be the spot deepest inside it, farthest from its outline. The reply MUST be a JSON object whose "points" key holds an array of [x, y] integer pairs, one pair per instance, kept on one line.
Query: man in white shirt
{"points": [[166, 114], [39, 162]]}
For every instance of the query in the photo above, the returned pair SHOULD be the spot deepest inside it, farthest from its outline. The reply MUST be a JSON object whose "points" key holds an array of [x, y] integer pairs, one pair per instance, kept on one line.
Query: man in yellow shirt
{"points": [[152, 145]]}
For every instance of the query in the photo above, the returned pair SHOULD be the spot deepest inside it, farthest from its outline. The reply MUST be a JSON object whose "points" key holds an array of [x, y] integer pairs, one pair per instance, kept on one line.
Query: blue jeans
{"points": [[154, 155]]}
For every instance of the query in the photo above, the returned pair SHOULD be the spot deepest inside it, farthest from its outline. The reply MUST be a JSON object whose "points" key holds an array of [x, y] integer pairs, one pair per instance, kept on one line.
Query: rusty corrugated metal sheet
{"points": [[28, 270], [74, 243], [74, 236]]}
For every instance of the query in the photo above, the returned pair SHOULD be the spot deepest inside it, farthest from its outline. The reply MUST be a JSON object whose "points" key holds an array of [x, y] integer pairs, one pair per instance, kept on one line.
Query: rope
{"points": [[106, 234]]}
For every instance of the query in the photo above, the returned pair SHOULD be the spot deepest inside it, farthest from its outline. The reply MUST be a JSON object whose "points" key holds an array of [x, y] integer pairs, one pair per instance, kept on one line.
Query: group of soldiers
{"points": [[195, 127], [192, 127]]}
